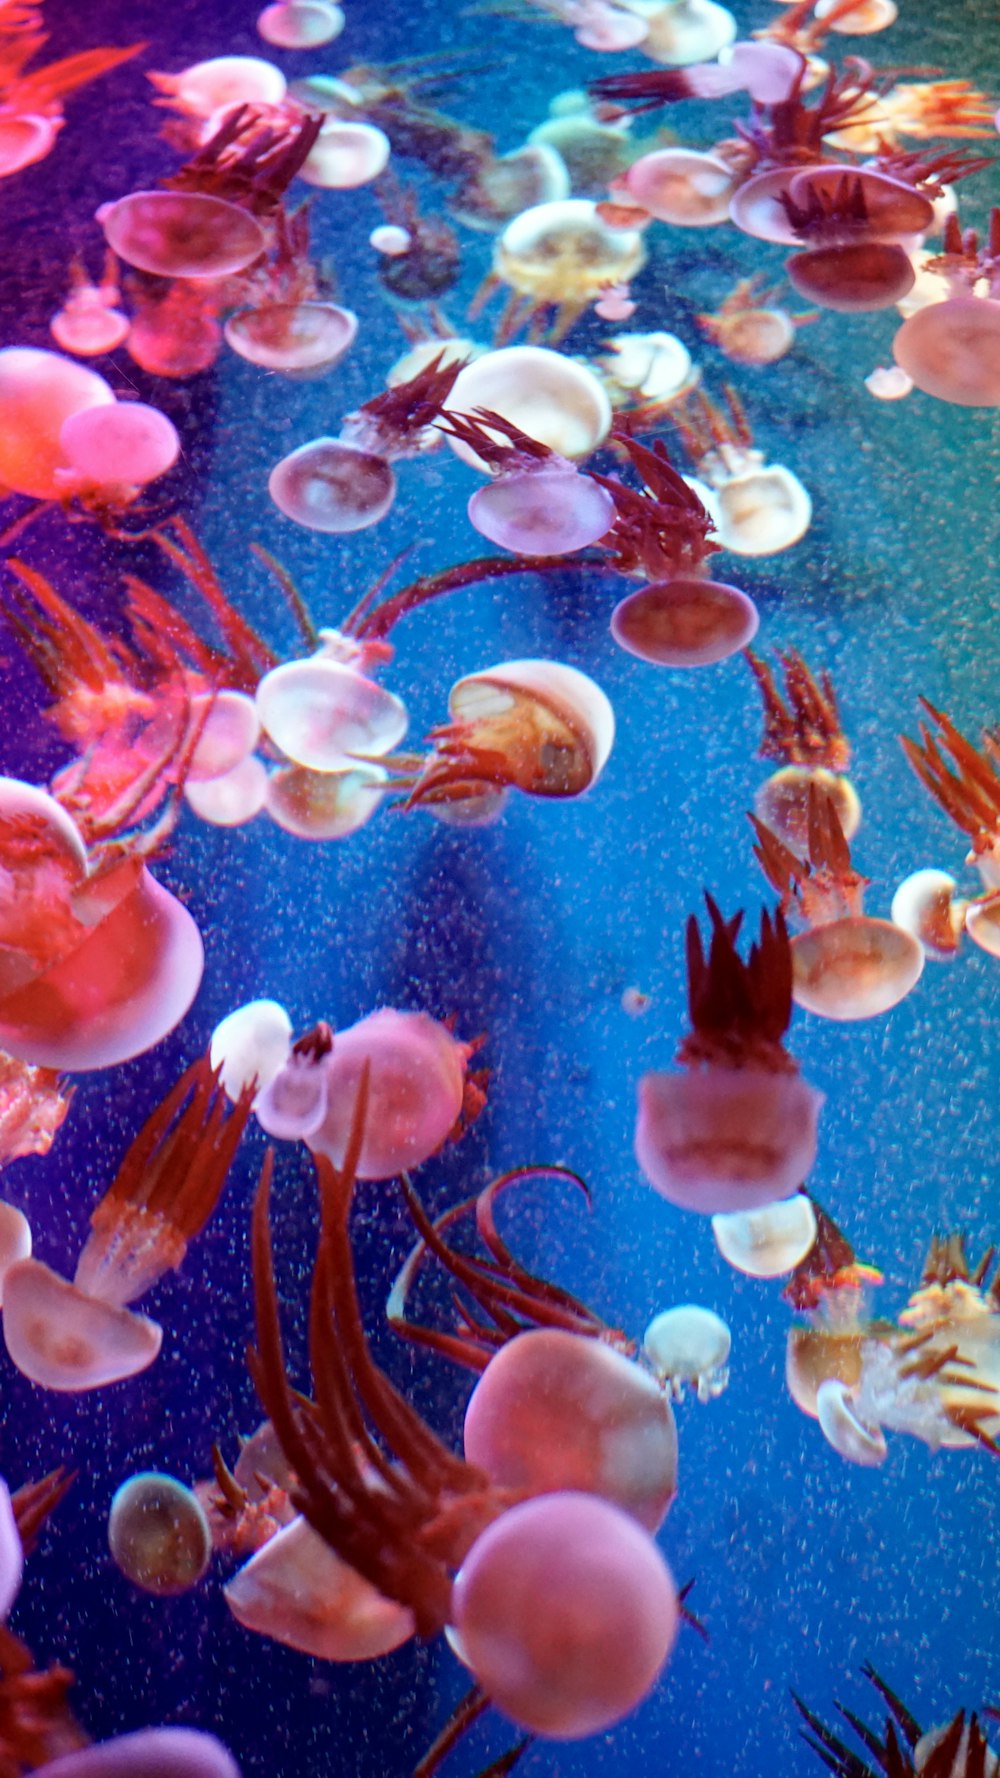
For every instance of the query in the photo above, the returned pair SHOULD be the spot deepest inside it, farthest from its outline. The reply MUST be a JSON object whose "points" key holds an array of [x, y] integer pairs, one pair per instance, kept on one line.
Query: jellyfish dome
{"points": [[323, 714], [951, 350], [39, 393], [718, 1140], [158, 1534], [295, 338], [300, 24], [544, 509], [682, 186], [550, 397], [685, 622], [182, 234], [689, 1345], [126, 443], [222, 82], [346, 155], [332, 485]]}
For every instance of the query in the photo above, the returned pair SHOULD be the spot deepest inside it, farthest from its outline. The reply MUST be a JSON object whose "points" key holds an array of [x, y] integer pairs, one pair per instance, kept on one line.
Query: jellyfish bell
{"points": [[564, 254], [549, 397], [888, 383], [158, 1534], [417, 1090], [223, 82], [854, 968], [228, 728], [681, 32], [294, 1102], [542, 508], [565, 1571], [62, 1338], [509, 184], [250, 1044], [717, 1139], [814, 1355], [334, 486], [863, 20], [950, 350], [297, 1591], [654, 367], [11, 1554], [345, 156], [768, 1242], [182, 234], [782, 803], [758, 510], [685, 622], [682, 186], [607, 29], [322, 713], [15, 1244], [982, 923], [39, 392], [852, 278], [555, 1410], [25, 139], [294, 337], [843, 1427], [926, 905], [325, 805], [233, 798], [300, 24], [547, 728], [689, 1345], [128, 443], [147, 1753]]}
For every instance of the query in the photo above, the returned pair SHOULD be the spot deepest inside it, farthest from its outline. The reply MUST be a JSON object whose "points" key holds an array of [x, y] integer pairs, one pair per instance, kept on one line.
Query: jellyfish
{"points": [[556, 1410], [112, 452], [100, 961], [679, 32], [551, 398], [245, 1506], [958, 1749], [220, 84], [689, 1346], [347, 483], [750, 328], [83, 1335], [31, 111], [769, 1242], [15, 1241], [300, 24], [292, 337], [538, 726], [558, 257], [593, 152], [683, 186], [325, 805], [802, 729], [951, 350], [965, 782], [147, 1753], [421, 1090], [182, 234], [757, 508], [174, 330], [537, 503], [927, 904], [847, 964], [415, 1521], [158, 1534], [250, 1046], [90, 321], [502, 187], [345, 155], [326, 712], [689, 621], [736, 1130], [298, 1591], [39, 392]]}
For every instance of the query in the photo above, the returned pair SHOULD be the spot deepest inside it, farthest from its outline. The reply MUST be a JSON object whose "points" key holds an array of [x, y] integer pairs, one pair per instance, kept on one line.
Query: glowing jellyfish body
{"points": [[11, 1554], [689, 1346], [554, 400], [232, 799], [250, 1045], [564, 256], [769, 1242], [324, 805], [182, 234], [333, 485], [782, 803], [854, 968], [292, 337], [545, 509], [852, 277], [757, 508], [566, 1612], [685, 622], [927, 906], [322, 713], [556, 1410], [221, 82], [126, 443], [681, 32], [39, 392], [25, 139], [64, 1339], [300, 24], [15, 1243], [951, 350], [158, 1534], [298, 1591]]}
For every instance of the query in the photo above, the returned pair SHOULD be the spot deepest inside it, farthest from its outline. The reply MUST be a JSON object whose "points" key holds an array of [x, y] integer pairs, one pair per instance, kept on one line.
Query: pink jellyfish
{"points": [[685, 622], [83, 1335], [736, 1130], [537, 503]]}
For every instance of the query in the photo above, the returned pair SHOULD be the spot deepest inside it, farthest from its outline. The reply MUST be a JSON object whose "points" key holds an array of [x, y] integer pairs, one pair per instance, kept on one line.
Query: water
{"points": [[530, 931]]}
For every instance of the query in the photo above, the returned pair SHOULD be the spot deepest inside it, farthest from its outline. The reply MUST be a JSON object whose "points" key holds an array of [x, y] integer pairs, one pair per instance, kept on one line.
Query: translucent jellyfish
{"points": [[546, 509], [39, 392], [757, 508], [324, 805], [853, 277], [847, 965], [97, 967], [90, 321], [15, 1243], [559, 257], [25, 140], [250, 1046], [221, 83], [830, 205], [293, 337], [647, 371], [768, 1242], [689, 1346], [951, 350], [504, 186], [927, 905], [550, 397], [232, 799], [565, 1571], [802, 730], [296, 1590], [346, 155], [537, 726], [80, 1336], [148, 1753], [682, 186], [593, 153], [736, 1130], [750, 327], [116, 448], [555, 1410], [685, 622], [300, 24], [889, 383], [324, 713], [182, 234], [174, 331], [334, 486], [680, 32], [11, 1554], [420, 1091], [158, 1534]]}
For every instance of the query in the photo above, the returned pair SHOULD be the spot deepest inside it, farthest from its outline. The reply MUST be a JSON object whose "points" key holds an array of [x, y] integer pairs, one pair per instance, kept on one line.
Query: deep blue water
{"points": [[531, 930]]}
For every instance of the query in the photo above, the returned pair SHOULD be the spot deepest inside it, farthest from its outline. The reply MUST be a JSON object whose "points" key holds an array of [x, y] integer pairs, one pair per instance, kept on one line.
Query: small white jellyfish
{"points": [[250, 1044], [926, 906], [300, 24], [689, 1345], [391, 240], [346, 155], [324, 714], [770, 1242], [888, 383], [232, 799], [552, 398]]}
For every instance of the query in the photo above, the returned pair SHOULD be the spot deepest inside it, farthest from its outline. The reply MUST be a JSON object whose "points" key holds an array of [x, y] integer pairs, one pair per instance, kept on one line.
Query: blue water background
{"points": [[531, 931]]}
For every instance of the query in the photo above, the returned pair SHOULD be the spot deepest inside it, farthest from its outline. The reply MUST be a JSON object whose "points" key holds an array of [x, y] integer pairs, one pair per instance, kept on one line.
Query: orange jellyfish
{"points": [[430, 1532], [737, 1129], [951, 349], [750, 327], [802, 729], [83, 1335], [846, 965], [90, 321]]}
